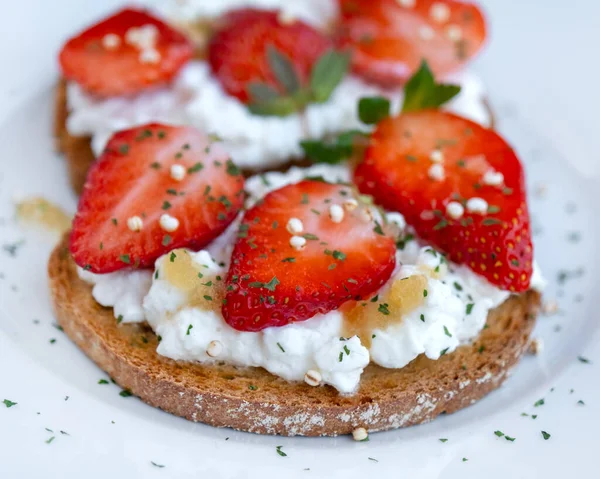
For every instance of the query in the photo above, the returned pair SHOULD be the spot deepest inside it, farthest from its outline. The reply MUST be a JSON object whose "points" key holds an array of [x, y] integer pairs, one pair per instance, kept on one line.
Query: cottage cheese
{"points": [[124, 291], [453, 313], [315, 12], [196, 98]]}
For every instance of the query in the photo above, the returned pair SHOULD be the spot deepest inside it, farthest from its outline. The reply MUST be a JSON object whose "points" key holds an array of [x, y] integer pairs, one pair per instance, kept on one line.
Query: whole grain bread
{"points": [[251, 399]]}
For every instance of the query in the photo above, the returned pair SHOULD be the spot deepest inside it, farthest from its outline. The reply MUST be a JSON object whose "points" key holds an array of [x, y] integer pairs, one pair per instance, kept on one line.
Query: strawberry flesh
{"points": [[270, 283], [125, 54], [397, 171], [133, 178], [238, 50], [389, 40]]}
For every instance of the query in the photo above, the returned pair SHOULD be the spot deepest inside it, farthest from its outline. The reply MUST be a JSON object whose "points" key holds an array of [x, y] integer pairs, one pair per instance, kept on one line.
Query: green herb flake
{"points": [[280, 452], [125, 393], [125, 258], [446, 332], [281, 347], [378, 229], [546, 436], [8, 403], [189, 328], [372, 110], [160, 466], [443, 439], [583, 360], [470, 308], [539, 402], [384, 309], [103, 381]]}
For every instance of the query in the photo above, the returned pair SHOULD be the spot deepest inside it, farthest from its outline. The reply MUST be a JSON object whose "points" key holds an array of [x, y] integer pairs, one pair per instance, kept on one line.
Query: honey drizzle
{"points": [[203, 292], [403, 297], [41, 212]]}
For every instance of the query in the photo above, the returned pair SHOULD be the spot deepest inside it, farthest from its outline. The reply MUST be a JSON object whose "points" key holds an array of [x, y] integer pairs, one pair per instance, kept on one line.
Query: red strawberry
{"points": [[124, 54], [392, 37], [144, 174], [238, 52], [428, 165], [272, 283]]}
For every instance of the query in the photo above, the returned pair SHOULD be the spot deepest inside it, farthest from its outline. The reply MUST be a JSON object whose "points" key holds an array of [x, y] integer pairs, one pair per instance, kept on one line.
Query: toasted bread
{"points": [[251, 399]]}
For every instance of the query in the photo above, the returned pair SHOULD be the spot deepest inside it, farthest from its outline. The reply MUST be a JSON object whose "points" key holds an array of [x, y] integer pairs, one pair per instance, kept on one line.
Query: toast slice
{"points": [[253, 400]]}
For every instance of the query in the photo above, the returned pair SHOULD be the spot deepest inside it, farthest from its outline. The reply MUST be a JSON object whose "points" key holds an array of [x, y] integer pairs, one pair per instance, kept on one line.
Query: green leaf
{"points": [[280, 106], [422, 92], [261, 92], [372, 110], [328, 72], [334, 151], [283, 69]]}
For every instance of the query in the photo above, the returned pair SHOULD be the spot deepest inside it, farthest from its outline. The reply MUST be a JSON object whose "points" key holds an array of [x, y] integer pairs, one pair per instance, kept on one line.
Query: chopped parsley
{"points": [[8, 403], [125, 393], [443, 439], [197, 167], [160, 466], [103, 381], [339, 255], [446, 332], [546, 436], [190, 327], [280, 452], [384, 309], [281, 347], [470, 308], [583, 360], [539, 402]]}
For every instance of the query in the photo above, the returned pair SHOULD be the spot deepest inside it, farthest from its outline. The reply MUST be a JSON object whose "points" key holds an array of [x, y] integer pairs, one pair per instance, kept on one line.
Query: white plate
{"points": [[56, 386]]}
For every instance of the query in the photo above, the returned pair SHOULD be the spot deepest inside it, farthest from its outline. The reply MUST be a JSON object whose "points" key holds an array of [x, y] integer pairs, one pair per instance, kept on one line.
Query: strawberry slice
{"points": [[460, 186], [390, 38], [154, 189], [125, 54], [305, 249], [258, 54]]}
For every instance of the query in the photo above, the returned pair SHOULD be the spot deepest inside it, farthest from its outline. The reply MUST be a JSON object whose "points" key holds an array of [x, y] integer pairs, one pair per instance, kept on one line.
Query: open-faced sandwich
{"points": [[391, 281]]}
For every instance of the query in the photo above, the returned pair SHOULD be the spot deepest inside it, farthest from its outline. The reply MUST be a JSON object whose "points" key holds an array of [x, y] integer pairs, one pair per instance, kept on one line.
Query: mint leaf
{"points": [[327, 73], [372, 110], [332, 151], [261, 92], [283, 69], [280, 106], [422, 92]]}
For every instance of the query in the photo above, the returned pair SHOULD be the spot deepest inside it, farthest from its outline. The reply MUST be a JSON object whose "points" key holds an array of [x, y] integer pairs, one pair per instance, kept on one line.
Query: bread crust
{"points": [[253, 400]]}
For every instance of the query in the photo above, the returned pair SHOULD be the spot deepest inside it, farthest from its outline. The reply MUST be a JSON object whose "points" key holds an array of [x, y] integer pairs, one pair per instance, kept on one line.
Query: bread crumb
{"points": [[550, 307], [536, 346]]}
